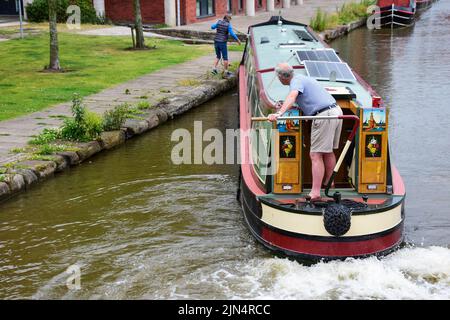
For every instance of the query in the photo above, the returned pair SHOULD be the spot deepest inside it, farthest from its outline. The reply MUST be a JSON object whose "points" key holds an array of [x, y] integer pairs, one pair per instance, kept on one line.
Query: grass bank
{"points": [[348, 12], [93, 63]]}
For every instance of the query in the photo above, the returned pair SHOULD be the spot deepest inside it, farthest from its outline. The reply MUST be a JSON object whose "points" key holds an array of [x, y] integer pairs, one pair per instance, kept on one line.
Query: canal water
{"points": [[139, 227]]}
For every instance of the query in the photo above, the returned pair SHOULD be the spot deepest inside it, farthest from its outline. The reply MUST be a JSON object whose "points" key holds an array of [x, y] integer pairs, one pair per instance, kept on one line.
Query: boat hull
{"points": [[423, 5], [397, 17], [313, 247]]}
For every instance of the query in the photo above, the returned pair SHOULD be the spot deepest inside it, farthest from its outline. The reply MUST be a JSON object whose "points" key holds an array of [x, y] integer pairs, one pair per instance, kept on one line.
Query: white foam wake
{"points": [[410, 273]]}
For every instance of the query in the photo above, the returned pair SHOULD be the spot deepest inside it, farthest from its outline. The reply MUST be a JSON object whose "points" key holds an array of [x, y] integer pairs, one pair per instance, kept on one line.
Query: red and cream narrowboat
{"points": [[364, 213]]}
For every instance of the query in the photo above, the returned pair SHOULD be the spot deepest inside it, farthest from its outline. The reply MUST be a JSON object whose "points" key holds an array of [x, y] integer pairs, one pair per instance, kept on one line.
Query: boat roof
{"points": [[274, 44]]}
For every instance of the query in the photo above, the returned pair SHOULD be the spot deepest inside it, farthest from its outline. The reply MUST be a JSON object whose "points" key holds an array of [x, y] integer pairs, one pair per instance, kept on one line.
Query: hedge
{"points": [[37, 11]]}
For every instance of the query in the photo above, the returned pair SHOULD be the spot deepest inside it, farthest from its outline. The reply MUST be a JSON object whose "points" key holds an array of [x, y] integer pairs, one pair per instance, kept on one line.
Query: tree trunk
{"points": [[140, 42], [54, 46]]}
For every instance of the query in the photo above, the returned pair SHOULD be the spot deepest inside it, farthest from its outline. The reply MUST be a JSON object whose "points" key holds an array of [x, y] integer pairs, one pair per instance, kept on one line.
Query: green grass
{"points": [[236, 47], [93, 63], [347, 13], [190, 82]]}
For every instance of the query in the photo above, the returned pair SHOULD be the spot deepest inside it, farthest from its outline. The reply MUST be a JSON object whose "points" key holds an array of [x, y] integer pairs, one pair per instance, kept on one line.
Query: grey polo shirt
{"points": [[312, 96]]}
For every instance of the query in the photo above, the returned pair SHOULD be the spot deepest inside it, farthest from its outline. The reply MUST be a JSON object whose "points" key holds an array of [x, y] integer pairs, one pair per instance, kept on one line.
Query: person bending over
{"points": [[313, 100]]}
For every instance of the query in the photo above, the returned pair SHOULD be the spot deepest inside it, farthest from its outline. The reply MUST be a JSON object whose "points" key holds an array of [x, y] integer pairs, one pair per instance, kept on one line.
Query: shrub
{"points": [[88, 14], [142, 105], [71, 130], [84, 126], [114, 119], [47, 135], [93, 125], [47, 149], [37, 11], [347, 13], [318, 22]]}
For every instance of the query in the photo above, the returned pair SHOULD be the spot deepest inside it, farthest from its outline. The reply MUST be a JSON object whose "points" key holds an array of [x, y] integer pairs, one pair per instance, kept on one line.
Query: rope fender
{"points": [[337, 219]]}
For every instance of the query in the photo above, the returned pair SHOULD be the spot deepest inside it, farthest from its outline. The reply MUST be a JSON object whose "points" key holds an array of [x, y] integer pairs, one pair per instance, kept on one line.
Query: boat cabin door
{"points": [[287, 155]]}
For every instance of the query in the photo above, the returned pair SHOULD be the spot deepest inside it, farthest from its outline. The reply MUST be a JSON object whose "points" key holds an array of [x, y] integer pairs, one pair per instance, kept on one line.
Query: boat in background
{"points": [[397, 13], [364, 215]]}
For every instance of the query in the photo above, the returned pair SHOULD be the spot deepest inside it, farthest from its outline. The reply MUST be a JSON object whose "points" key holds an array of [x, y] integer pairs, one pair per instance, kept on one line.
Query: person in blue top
{"points": [[313, 100], [224, 29]]}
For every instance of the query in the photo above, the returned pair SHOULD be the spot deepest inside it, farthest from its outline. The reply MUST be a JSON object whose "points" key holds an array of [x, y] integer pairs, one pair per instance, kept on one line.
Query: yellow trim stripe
{"points": [[313, 224]]}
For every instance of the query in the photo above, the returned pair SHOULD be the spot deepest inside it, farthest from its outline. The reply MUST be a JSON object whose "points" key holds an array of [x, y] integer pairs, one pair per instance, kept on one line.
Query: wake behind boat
{"points": [[364, 214]]}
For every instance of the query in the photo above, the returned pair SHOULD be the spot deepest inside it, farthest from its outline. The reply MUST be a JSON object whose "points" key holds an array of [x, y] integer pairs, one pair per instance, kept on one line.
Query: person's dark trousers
{"points": [[221, 50]]}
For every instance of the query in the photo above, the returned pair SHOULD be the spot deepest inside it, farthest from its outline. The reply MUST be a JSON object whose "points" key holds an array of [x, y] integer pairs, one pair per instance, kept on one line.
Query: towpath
{"points": [[301, 12]]}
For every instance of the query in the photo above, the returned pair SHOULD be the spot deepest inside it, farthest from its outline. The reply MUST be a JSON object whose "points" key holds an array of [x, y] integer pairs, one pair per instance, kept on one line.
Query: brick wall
{"points": [[153, 10], [262, 7], [122, 11], [190, 11]]}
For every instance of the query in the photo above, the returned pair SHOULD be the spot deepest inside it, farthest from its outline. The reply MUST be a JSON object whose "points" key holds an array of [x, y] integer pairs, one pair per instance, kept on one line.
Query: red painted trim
{"points": [[273, 69], [383, 11], [248, 173], [266, 70], [355, 126], [403, 11], [395, 10], [358, 199], [397, 182], [331, 249]]}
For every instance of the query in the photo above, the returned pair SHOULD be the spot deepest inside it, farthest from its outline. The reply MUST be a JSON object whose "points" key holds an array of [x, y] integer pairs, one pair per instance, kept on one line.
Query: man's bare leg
{"points": [[318, 171], [329, 159], [225, 65]]}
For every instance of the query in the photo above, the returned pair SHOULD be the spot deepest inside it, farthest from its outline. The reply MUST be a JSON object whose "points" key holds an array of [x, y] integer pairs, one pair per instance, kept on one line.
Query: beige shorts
{"points": [[325, 134]]}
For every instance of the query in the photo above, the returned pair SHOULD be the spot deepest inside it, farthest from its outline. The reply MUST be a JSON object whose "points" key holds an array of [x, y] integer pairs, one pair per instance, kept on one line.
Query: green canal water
{"points": [[138, 226]]}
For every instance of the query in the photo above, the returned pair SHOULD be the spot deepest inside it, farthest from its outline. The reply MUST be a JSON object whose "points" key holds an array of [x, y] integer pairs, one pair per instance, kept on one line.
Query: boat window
{"points": [[260, 145], [264, 40], [250, 84], [255, 102], [249, 60]]}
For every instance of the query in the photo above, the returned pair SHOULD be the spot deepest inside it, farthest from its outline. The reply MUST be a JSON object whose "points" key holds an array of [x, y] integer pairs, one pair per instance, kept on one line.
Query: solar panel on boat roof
{"points": [[322, 70], [318, 55], [304, 35]]}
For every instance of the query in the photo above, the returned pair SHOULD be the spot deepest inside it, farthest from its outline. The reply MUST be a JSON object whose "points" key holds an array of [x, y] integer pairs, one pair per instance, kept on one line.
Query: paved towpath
{"points": [[153, 87]]}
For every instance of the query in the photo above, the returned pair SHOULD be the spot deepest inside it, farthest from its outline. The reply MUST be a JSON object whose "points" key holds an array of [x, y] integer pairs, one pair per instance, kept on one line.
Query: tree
{"points": [[140, 41], [54, 46]]}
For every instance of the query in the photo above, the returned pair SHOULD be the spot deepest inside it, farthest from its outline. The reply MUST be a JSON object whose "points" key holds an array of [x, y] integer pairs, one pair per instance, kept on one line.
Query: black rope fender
{"points": [[337, 215]]}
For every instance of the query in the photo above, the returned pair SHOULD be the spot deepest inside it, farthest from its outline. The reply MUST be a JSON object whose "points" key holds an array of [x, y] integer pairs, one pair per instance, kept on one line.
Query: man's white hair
{"points": [[284, 70]]}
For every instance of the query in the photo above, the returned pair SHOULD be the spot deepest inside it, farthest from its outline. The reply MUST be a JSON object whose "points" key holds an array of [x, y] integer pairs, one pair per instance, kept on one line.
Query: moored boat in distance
{"points": [[364, 214], [396, 13]]}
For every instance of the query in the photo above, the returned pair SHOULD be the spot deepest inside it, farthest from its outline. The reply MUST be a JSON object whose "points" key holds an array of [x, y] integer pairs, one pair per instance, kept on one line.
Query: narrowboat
{"points": [[396, 13], [361, 210]]}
